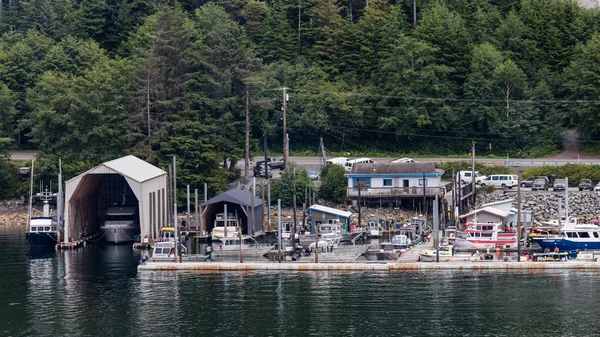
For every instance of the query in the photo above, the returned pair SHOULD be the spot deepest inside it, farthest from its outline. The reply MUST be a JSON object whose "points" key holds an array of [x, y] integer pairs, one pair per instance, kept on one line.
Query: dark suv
{"points": [[586, 184]]}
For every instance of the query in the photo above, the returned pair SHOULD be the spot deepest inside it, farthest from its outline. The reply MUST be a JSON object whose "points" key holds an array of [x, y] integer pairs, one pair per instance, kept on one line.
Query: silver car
{"points": [[560, 184]]}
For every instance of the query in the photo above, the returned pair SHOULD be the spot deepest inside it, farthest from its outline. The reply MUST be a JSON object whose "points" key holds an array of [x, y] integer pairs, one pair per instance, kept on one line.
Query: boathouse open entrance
{"points": [[127, 181], [238, 203]]}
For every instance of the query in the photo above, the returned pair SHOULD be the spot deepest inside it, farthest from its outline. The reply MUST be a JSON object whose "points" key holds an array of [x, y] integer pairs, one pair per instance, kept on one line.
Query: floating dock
{"points": [[372, 266]]}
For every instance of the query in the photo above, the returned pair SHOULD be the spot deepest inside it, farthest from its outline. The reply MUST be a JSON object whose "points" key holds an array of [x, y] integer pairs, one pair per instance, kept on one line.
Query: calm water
{"points": [[97, 291]]}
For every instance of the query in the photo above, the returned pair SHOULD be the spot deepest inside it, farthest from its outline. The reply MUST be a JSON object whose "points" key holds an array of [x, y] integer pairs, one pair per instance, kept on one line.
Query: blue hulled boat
{"points": [[42, 231], [572, 238]]}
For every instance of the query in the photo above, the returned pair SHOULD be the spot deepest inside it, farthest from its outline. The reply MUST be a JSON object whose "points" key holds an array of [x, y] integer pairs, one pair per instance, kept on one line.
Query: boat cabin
{"points": [[232, 224], [164, 251], [43, 225], [330, 230]]}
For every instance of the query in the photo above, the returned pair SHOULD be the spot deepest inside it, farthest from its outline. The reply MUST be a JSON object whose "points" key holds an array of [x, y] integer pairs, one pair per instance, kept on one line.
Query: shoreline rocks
{"points": [[544, 205]]}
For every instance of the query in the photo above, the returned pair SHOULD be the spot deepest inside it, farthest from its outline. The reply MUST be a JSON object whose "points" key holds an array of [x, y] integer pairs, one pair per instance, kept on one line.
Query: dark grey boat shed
{"points": [[238, 201]]}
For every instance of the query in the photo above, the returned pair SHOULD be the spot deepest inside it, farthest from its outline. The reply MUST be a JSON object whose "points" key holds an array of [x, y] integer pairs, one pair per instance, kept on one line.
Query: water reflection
{"points": [[98, 291]]}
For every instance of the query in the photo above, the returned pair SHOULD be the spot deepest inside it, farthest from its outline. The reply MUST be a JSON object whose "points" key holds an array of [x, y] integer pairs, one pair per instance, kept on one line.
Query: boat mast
{"points": [[30, 197]]}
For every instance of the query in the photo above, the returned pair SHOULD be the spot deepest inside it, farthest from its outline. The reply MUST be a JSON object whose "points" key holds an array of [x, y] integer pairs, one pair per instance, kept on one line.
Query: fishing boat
{"points": [[373, 228], [225, 227], [232, 247], [571, 238], [446, 253], [42, 231], [165, 251], [484, 235]]}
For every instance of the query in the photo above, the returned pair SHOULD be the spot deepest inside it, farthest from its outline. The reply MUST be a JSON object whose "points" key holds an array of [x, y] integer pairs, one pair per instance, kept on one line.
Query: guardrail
{"points": [[549, 162]]}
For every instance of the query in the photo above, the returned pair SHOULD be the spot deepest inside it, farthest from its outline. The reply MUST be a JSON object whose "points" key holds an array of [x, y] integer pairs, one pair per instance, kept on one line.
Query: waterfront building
{"points": [[395, 183]]}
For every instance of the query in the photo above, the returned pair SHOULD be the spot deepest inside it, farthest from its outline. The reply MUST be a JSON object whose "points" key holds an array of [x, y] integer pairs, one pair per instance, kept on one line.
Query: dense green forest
{"points": [[90, 80]]}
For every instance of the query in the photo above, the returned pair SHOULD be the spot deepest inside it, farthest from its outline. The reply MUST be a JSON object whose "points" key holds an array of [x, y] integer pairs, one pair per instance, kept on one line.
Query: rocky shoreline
{"points": [[544, 205], [13, 213]]}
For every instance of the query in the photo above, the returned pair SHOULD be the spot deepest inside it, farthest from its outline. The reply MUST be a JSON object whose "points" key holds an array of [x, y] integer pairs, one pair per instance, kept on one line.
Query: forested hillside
{"points": [[90, 80]]}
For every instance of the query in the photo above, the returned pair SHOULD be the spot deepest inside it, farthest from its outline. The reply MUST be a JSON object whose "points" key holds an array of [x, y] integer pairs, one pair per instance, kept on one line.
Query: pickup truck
{"points": [[273, 163]]}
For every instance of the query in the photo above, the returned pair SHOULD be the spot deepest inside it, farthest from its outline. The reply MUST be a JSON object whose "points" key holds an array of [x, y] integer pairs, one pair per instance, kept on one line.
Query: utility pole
{"points": [[265, 150], [285, 143], [247, 145], [323, 152]]}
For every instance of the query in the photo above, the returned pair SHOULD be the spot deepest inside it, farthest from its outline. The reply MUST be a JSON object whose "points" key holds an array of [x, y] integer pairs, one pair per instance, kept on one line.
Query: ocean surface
{"points": [[97, 291]]}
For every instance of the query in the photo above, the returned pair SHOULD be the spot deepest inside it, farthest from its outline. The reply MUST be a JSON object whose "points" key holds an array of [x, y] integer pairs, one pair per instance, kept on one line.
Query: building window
{"points": [[421, 182], [387, 182], [364, 182]]}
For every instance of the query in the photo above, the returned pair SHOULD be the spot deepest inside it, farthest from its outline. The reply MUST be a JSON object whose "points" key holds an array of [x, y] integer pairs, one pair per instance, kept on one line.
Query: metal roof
{"points": [[506, 201], [394, 168], [235, 196], [135, 168], [130, 167], [489, 210], [329, 210]]}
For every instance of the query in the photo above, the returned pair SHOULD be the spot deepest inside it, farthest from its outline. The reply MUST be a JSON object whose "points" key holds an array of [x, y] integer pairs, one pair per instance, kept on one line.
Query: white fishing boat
{"points": [[231, 224], [373, 228], [232, 247], [446, 253]]}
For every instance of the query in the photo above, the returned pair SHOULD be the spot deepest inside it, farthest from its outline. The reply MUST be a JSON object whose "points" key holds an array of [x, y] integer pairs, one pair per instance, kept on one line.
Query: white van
{"points": [[348, 165], [465, 176], [338, 161], [501, 180]]}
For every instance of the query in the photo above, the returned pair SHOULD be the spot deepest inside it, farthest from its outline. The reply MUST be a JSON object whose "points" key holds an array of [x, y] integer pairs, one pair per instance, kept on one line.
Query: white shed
{"points": [[487, 214], [142, 184]]}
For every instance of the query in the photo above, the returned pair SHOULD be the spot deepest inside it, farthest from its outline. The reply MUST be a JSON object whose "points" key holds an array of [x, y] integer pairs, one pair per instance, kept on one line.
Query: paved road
{"points": [[22, 156]]}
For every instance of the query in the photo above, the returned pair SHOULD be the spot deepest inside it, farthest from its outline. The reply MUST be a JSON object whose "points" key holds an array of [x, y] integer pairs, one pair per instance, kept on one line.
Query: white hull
{"points": [[246, 251], [119, 234]]}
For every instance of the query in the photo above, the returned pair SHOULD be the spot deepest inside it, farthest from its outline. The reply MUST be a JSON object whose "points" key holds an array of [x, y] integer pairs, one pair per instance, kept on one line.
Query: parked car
{"points": [[259, 171], [403, 160], [560, 184], [465, 176], [540, 184], [274, 163], [312, 174], [529, 181], [501, 180], [586, 184], [338, 161], [597, 188]]}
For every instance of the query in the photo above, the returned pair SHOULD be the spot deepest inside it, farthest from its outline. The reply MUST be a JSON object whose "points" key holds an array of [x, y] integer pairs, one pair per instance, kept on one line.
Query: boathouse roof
{"points": [[330, 210], [395, 168], [234, 196]]}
